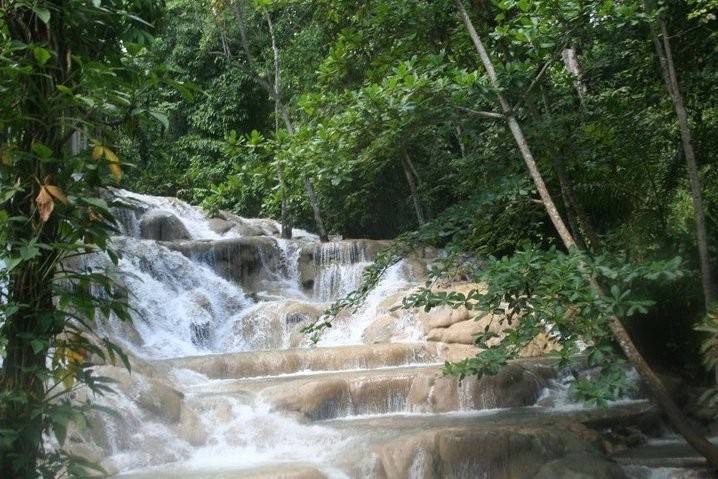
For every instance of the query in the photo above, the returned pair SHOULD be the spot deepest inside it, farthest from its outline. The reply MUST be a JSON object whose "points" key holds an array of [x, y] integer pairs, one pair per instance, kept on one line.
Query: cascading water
{"points": [[220, 390], [339, 269]]}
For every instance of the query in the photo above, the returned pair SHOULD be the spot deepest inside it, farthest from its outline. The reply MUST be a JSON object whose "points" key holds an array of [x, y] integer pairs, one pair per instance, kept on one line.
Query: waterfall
{"points": [[225, 384], [178, 304], [339, 269]]}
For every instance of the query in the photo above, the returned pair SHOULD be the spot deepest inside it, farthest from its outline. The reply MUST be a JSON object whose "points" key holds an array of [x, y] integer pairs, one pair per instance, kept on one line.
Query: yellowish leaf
{"points": [[45, 205], [97, 152], [56, 193], [76, 356], [116, 171], [110, 155], [69, 380], [114, 164]]}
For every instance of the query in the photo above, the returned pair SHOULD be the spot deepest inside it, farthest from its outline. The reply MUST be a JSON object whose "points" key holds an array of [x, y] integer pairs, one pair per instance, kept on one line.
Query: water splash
{"points": [[177, 305], [349, 329]]}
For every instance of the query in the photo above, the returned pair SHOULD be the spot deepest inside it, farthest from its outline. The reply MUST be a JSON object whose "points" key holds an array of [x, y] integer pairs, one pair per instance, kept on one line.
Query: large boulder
{"points": [[162, 225], [226, 222]]}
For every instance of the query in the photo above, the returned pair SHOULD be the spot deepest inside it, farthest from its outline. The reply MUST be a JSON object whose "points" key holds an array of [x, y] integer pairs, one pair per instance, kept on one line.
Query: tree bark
{"points": [[568, 206], [669, 73], [314, 202], [408, 167], [656, 387], [570, 60]]}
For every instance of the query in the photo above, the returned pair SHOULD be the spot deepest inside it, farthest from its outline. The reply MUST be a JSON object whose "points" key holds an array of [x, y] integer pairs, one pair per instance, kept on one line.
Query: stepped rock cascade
{"points": [[225, 384]]}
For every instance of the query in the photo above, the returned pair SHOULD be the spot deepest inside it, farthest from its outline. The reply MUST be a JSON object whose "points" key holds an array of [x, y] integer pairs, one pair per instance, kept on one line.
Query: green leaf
{"points": [[42, 13], [162, 118], [41, 150], [42, 55]]}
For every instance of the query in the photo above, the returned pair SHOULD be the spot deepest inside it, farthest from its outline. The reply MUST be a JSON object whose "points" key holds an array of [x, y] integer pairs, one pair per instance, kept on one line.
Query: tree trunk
{"points": [[565, 196], [275, 92], [314, 201], [285, 219], [570, 60], [669, 73], [281, 107], [407, 166], [658, 390], [22, 377]]}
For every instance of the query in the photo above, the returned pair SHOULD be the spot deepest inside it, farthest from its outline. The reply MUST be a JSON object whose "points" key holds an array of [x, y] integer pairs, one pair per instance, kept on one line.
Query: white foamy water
{"points": [[339, 269], [177, 304], [349, 331], [192, 217]]}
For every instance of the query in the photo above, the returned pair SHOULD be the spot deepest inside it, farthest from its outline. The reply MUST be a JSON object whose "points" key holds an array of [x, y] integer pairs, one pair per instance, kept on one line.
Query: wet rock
{"points": [[498, 452], [423, 389], [262, 363], [219, 225], [315, 400], [380, 330], [370, 396], [162, 225], [248, 261], [284, 471], [244, 226], [154, 396], [273, 324], [443, 317], [514, 386], [581, 466]]}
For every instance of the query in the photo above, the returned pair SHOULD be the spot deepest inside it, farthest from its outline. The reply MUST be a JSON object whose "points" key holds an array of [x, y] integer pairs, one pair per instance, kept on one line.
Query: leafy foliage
{"points": [[68, 71], [538, 291]]}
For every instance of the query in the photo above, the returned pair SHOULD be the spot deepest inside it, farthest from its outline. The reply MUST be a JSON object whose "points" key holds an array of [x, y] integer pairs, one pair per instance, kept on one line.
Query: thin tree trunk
{"points": [[462, 147], [419, 185], [314, 201], [308, 186], [656, 387], [570, 60], [578, 220], [275, 92], [669, 73], [285, 219], [407, 166]]}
